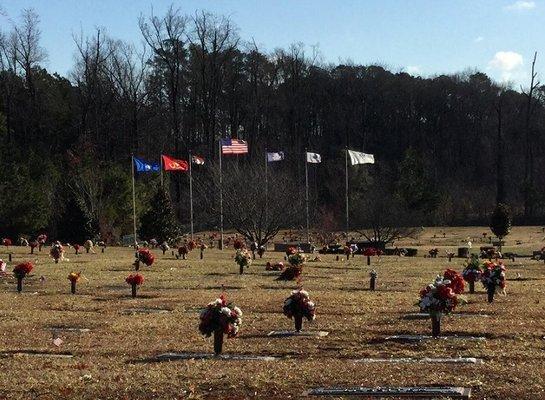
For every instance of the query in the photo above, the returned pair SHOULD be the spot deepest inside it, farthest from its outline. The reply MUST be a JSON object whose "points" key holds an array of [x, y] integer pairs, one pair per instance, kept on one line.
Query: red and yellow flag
{"points": [[171, 164]]}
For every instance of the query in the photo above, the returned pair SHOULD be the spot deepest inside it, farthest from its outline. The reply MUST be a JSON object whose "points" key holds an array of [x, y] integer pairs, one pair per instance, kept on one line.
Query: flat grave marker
{"points": [[427, 316], [295, 333], [451, 392], [425, 360], [419, 338], [146, 311], [210, 356], [35, 353]]}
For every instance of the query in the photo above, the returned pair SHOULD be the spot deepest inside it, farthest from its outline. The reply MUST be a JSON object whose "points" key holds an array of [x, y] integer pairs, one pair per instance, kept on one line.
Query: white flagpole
{"points": [[306, 196], [346, 186], [133, 201], [221, 199], [191, 192]]}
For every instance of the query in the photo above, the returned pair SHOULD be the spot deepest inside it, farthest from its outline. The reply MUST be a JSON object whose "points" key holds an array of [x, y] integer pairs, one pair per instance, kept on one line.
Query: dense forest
{"points": [[447, 148]]}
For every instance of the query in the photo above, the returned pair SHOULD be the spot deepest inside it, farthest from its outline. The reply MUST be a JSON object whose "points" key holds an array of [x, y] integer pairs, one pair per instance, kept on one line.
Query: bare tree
{"points": [[246, 206]]}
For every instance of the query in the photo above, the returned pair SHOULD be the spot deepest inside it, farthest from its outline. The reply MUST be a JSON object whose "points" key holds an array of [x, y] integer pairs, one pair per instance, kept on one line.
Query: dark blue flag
{"points": [[144, 166]]}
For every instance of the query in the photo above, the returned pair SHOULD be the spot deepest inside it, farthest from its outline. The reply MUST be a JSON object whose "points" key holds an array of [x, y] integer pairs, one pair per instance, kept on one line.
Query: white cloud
{"points": [[507, 63], [521, 5], [478, 39], [414, 70]]}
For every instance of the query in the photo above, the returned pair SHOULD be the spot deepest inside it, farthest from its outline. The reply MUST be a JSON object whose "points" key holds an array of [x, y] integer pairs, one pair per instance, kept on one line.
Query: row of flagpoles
{"points": [[228, 146]]}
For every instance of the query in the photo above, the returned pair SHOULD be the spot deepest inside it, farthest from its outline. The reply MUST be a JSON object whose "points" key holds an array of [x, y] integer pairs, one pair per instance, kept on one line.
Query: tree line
{"points": [[448, 147]]}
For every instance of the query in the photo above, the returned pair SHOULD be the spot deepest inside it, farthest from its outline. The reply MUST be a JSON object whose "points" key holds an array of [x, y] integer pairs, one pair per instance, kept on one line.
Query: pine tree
{"points": [[500, 223], [159, 221]]}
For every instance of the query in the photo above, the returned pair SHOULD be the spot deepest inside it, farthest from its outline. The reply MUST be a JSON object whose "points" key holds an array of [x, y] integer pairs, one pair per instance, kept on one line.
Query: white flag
{"points": [[279, 156], [357, 157], [314, 158]]}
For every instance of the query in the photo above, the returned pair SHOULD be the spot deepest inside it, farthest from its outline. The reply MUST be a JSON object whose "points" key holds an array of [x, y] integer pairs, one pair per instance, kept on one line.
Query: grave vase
{"points": [[137, 265], [373, 282], [491, 291], [241, 269], [202, 254], [472, 287], [73, 287], [19, 283], [368, 260], [133, 290], [435, 324], [218, 341], [9, 257], [298, 319]]}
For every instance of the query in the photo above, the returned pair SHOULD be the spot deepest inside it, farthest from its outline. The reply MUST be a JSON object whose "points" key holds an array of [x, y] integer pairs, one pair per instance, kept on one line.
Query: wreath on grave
{"points": [[220, 315], [456, 280], [299, 303], [145, 256]]}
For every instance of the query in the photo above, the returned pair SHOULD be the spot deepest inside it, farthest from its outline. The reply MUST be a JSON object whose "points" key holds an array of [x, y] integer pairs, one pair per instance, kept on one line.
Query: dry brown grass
{"points": [[109, 361]]}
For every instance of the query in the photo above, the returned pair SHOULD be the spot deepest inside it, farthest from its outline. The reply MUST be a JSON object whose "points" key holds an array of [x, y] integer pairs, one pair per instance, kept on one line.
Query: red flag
{"points": [[171, 164]]}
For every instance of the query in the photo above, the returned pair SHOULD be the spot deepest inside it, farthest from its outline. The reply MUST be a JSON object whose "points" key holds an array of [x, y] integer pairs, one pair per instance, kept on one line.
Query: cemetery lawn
{"points": [[113, 359]]}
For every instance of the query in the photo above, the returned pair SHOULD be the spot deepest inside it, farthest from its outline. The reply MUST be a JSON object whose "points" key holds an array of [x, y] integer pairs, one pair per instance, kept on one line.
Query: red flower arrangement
{"points": [[146, 256], [298, 303], [438, 298], [183, 251], [42, 238], [494, 274], [77, 247], [456, 280], [274, 267], [238, 244], [21, 270], [7, 242], [291, 250], [134, 279], [191, 245], [33, 244], [220, 315], [371, 251]]}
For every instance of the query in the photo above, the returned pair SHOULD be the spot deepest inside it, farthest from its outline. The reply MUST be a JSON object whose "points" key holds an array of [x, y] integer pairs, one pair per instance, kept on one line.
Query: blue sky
{"points": [[425, 37]]}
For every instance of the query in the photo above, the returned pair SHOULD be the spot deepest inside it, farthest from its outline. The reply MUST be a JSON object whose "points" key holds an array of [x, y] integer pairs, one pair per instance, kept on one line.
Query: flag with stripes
{"points": [[357, 157], [233, 146]]}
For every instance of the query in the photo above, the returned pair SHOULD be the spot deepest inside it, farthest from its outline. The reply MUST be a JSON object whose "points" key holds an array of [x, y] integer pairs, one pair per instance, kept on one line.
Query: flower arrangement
{"points": [[146, 256], [438, 297], [73, 277], [21, 270], [33, 244], [456, 280], [3, 266], [153, 243], [243, 258], [77, 247], [433, 252], [370, 251], [261, 251], [274, 267], [42, 238], [372, 279], [164, 247], [348, 251], [183, 251], [492, 277], [88, 245], [297, 258], [238, 244], [472, 272], [222, 316], [299, 303], [134, 280], [294, 270], [7, 242], [291, 250], [57, 252], [191, 245]]}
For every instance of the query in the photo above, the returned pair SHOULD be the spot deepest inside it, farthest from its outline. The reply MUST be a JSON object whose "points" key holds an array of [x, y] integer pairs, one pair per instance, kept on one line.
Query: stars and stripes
{"points": [[233, 146]]}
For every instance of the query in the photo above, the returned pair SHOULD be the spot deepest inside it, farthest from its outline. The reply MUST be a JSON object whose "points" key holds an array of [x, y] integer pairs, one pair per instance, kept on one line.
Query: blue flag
{"points": [[144, 166]]}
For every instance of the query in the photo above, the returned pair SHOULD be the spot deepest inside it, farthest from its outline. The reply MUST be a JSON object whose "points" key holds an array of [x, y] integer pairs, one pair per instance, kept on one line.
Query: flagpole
{"points": [[133, 201], [221, 199], [306, 196], [191, 193], [161, 160], [266, 185], [346, 187]]}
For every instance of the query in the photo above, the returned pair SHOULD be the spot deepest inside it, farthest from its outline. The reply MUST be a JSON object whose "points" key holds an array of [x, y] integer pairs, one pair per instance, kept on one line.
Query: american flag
{"points": [[233, 146]]}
